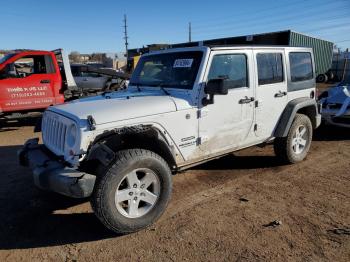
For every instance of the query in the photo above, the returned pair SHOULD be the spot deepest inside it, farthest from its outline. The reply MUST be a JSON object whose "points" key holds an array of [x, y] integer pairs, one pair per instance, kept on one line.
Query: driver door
{"points": [[227, 123]]}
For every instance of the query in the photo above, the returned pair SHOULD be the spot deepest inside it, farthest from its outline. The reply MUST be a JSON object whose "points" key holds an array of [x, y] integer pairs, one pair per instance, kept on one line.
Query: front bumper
{"points": [[331, 119], [51, 174], [337, 117]]}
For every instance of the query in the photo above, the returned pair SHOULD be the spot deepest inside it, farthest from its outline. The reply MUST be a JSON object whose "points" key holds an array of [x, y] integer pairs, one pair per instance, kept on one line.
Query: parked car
{"points": [[88, 81], [336, 105], [182, 107]]}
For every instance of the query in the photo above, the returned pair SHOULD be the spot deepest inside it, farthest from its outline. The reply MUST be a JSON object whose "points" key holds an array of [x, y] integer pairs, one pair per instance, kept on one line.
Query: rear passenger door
{"points": [[271, 90]]}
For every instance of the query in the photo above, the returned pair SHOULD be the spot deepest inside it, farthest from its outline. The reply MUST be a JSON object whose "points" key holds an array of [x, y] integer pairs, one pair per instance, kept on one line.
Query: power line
{"points": [[348, 40], [307, 30], [338, 17], [322, 28], [301, 16], [293, 5], [244, 13]]}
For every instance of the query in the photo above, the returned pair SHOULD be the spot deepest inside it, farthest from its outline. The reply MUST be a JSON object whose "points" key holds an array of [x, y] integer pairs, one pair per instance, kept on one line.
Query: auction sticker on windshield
{"points": [[183, 63]]}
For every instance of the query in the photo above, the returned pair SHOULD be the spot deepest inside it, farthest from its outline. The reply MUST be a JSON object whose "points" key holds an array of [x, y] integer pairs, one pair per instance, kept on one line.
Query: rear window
{"points": [[270, 68], [300, 66]]}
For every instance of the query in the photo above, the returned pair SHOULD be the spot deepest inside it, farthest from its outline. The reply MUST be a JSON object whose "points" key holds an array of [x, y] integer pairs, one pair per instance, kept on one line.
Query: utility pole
{"points": [[189, 32], [345, 64], [126, 37]]}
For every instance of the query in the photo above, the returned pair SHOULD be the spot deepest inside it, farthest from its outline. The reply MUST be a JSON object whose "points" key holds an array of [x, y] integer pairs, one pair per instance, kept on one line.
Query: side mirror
{"points": [[215, 86]]}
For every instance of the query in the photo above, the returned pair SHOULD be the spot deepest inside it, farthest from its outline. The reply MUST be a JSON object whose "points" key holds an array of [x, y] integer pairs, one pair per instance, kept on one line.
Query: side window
{"points": [[7, 72], [232, 67], [39, 64], [89, 74], [270, 68], [29, 65], [50, 68], [300, 66], [24, 66], [75, 71]]}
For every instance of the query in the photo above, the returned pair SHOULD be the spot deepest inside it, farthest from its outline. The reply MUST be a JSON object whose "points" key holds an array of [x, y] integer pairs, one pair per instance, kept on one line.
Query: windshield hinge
{"points": [[202, 113]]}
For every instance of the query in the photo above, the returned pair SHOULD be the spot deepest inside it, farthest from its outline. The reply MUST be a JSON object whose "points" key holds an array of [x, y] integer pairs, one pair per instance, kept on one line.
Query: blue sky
{"points": [[96, 26]]}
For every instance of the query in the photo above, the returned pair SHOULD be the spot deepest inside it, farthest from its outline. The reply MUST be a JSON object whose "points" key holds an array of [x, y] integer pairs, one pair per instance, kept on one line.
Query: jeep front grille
{"points": [[54, 130]]}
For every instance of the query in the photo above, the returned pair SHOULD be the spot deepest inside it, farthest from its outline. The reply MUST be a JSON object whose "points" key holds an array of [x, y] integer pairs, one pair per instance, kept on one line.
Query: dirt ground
{"points": [[220, 211]]}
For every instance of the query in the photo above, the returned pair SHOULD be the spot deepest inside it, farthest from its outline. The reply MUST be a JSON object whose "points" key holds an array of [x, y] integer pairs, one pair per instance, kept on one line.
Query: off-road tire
{"points": [[103, 197], [283, 145], [322, 78]]}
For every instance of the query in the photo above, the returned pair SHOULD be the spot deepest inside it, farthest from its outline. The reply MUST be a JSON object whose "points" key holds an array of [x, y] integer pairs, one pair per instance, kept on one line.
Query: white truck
{"points": [[182, 107]]}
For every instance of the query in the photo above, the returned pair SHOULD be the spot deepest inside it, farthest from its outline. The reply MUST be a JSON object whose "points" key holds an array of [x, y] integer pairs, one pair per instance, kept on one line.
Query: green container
{"points": [[323, 50]]}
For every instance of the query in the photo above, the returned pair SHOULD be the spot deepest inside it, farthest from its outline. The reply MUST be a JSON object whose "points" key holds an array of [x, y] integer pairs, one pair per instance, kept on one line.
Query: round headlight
{"points": [[72, 135]]}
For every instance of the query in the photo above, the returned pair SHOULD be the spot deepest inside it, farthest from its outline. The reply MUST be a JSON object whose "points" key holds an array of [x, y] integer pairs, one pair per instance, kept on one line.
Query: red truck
{"points": [[34, 80]]}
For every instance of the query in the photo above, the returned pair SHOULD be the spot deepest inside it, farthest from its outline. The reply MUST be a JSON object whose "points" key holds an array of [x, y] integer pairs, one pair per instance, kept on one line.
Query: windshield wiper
{"points": [[161, 86]]}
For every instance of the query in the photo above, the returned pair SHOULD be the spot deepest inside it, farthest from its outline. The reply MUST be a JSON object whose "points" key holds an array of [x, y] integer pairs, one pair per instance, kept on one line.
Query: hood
{"points": [[338, 94], [118, 106]]}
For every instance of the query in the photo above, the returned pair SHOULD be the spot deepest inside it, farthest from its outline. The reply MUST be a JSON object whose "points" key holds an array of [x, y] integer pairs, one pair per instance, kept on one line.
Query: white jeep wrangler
{"points": [[182, 107]]}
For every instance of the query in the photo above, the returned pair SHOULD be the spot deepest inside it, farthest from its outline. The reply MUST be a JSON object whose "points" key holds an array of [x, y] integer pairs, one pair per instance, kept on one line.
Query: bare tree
{"points": [[98, 57], [74, 56]]}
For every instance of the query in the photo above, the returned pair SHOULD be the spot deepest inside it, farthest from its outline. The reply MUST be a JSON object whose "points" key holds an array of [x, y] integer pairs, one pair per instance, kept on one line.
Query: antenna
{"points": [[189, 32], [126, 37]]}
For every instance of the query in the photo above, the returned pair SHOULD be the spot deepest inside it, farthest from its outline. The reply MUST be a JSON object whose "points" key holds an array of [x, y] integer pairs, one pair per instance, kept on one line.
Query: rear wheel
{"points": [[296, 145], [134, 192], [322, 78]]}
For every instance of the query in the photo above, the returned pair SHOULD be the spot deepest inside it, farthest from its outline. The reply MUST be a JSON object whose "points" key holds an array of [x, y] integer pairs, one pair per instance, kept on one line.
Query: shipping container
{"points": [[323, 50]]}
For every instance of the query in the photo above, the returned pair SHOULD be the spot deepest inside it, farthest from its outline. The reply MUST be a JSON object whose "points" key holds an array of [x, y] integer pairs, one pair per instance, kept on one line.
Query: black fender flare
{"points": [[153, 139], [292, 108]]}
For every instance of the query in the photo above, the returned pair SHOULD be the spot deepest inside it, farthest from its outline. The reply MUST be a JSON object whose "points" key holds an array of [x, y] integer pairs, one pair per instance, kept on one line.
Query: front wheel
{"points": [[296, 145], [134, 192]]}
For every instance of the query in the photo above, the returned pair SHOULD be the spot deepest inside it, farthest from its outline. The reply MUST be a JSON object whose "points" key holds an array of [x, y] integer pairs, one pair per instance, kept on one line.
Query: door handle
{"points": [[45, 81], [246, 100], [280, 94]]}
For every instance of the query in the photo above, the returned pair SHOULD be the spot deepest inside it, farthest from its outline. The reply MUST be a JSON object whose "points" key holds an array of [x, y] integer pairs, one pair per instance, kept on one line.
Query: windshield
{"points": [[177, 70], [4, 58]]}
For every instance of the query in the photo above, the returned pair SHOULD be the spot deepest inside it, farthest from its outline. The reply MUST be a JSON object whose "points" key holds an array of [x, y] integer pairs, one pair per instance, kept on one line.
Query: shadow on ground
{"points": [[7, 125], [240, 162], [331, 133], [32, 218]]}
